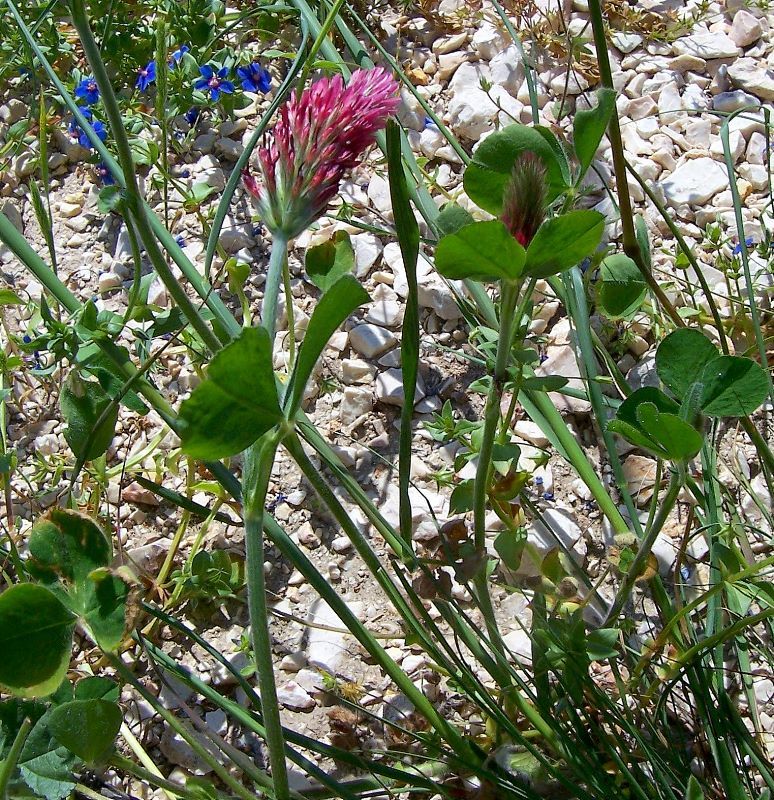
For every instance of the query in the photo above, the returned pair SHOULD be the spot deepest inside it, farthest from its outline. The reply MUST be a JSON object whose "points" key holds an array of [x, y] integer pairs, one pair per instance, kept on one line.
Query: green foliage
{"points": [[589, 128], [338, 302], [329, 261], [91, 417], [562, 242], [70, 555], [704, 382], [236, 404], [621, 289], [213, 576], [483, 251], [87, 728], [36, 637], [490, 170]]}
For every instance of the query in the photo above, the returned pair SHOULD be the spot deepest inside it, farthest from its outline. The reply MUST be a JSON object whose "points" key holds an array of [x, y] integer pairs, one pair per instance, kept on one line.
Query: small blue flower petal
{"points": [[206, 71], [145, 76], [191, 115], [178, 54], [104, 174], [254, 78], [87, 91]]}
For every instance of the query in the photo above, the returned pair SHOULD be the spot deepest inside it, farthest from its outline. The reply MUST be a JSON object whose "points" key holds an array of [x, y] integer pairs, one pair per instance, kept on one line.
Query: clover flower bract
{"points": [[319, 136], [254, 78], [524, 200], [87, 91], [214, 82]]}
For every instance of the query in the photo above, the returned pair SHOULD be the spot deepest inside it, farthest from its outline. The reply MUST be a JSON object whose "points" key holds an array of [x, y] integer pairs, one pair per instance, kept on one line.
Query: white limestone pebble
{"points": [[695, 182]]}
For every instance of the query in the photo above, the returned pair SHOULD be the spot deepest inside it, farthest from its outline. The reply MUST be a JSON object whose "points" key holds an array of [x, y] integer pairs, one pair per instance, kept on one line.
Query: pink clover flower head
{"points": [[319, 136]]}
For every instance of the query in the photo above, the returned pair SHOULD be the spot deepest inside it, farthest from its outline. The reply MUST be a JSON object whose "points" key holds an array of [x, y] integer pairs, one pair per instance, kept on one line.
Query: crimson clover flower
{"points": [[525, 198], [145, 76], [177, 55], [77, 133], [87, 91], [214, 82], [319, 136], [254, 78]]}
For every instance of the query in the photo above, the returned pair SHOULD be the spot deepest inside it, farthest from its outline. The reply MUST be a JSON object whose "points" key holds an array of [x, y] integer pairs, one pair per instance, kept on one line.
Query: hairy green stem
{"points": [[277, 260], [637, 565], [509, 296], [8, 765], [258, 462], [630, 244]]}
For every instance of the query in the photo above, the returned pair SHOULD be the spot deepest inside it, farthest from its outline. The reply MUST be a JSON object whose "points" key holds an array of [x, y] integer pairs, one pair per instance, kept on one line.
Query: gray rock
{"points": [[354, 403], [327, 649], [389, 388], [371, 340], [731, 101], [294, 697]]}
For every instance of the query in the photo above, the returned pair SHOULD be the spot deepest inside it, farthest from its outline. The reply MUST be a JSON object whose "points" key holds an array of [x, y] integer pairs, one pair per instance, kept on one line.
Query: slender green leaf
{"points": [[334, 307], [407, 230], [589, 128]]}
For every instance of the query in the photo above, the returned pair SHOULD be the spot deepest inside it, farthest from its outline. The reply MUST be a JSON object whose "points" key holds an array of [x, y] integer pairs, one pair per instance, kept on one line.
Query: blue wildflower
{"points": [[749, 241], [26, 338], [214, 82], [145, 76], [104, 174], [179, 241], [191, 115], [87, 91], [76, 132], [548, 496], [254, 78], [429, 123], [186, 173], [177, 55]]}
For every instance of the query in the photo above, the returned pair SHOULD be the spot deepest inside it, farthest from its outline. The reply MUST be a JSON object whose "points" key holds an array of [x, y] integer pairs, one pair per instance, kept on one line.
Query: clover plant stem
{"points": [[673, 490], [752, 305], [258, 463], [508, 299], [134, 200], [277, 261], [291, 316], [630, 245], [8, 765]]}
